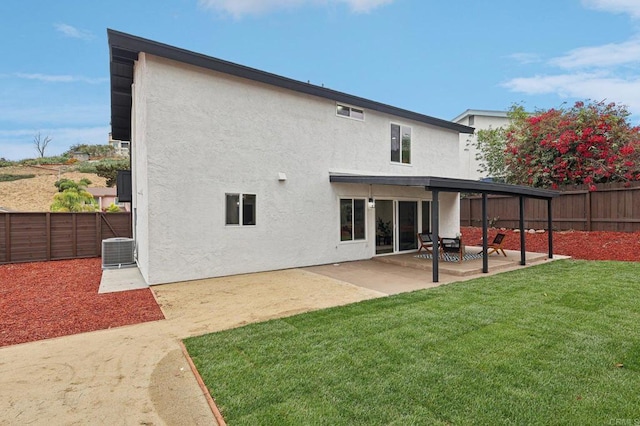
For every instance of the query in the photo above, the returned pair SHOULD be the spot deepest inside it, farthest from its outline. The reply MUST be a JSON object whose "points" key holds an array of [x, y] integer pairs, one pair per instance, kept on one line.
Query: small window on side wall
{"points": [[351, 112], [352, 219], [240, 209]]}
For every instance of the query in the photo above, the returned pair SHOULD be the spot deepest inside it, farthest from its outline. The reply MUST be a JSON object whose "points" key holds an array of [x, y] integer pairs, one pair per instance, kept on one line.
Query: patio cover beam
{"points": [[437, 184]]}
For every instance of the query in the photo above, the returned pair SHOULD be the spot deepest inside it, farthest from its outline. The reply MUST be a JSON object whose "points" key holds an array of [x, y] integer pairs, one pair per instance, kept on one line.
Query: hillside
{"points": [[36, 194]]}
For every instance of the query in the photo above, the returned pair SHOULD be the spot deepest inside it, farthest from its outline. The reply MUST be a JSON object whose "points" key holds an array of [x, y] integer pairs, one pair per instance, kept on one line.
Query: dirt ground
{"points": [[136, 374], [36, 194]]}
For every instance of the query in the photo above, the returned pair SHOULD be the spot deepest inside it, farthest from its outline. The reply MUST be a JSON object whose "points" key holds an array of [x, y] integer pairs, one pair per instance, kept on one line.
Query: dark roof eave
{"points": [[124, 49], [447, 185]]}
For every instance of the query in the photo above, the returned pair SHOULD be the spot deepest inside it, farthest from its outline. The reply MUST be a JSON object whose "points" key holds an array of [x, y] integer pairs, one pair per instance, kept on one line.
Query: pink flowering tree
{"points": [[586, 144]]}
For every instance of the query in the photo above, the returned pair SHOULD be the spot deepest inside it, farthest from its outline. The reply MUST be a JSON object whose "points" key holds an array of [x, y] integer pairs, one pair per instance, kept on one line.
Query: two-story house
{"points": [[237, 170]]}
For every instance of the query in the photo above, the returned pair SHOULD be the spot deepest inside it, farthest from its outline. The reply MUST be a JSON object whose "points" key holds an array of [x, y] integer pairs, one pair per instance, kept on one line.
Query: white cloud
{"points": [[49, 78], [597, 86], [73, 32], [18, 144], [238, 8], [525, 58], [604, 56], [603, 72], [365, 6], [630, 7]]}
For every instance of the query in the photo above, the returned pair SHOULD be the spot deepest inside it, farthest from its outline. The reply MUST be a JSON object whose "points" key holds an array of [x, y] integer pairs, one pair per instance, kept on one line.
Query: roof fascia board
{"points": [[481, 112], [122, 41]]}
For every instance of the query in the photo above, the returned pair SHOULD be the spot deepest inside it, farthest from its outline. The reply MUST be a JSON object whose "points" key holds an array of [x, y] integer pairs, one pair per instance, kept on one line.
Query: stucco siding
{"points": [[205, 134]]}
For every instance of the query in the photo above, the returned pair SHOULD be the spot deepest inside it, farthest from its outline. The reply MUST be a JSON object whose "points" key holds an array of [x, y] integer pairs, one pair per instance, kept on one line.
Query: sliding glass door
{"points": [[407, 225], [398, 223], [384, 226]]}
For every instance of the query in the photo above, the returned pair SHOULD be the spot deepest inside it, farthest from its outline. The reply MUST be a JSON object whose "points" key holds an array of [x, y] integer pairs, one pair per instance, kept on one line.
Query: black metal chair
{"points": [[452, 245]]}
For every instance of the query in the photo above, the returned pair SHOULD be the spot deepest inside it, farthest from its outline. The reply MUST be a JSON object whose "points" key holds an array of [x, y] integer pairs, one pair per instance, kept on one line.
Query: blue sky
{"points": [[431, 56]]}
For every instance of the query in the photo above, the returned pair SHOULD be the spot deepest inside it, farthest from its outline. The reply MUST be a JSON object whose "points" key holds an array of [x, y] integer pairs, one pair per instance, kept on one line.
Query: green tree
{"points": [[64, 184], [110, 170], [73, 197], [491, 144]]}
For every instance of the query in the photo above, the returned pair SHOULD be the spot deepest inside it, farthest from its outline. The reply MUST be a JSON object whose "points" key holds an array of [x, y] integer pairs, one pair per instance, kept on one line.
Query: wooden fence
{"points": [[29, 237], [611, 208]]}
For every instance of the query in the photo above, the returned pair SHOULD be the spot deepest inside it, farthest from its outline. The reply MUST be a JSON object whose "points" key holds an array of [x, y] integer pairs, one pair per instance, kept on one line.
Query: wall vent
{"points": [[117, 252]]}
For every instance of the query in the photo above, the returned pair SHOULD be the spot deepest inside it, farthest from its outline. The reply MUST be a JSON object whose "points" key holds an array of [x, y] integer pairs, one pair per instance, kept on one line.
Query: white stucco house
{"points": [[480, 120], [270, 172]]}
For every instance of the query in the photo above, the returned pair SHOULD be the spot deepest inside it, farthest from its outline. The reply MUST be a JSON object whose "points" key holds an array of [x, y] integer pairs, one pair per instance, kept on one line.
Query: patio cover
{"points": [[441, 184]]}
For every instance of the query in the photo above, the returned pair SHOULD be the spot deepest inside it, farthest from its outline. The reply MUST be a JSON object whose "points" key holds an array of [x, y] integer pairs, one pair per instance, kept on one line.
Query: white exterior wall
{"points": [[468, 142], [199, 134]]}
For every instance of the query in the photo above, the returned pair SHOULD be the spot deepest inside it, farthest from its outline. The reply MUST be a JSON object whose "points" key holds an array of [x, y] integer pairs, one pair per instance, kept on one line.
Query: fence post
{"points": [[48, 222], [98, 234], [7, 237], [587, 201], [74, 235]]}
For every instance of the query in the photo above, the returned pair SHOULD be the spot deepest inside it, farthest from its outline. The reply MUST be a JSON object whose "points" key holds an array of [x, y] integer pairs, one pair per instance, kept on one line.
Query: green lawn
{"points": [[556, 344]]}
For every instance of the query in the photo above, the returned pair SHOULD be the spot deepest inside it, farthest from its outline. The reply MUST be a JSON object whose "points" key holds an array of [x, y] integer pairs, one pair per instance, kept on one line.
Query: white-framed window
{"points": [[352, 219], [349, 111], [400, 143], [240, 209]]}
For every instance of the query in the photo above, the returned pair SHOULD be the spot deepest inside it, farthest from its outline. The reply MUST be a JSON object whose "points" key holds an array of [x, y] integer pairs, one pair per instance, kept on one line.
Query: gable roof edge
{"points": [[124, 49]]}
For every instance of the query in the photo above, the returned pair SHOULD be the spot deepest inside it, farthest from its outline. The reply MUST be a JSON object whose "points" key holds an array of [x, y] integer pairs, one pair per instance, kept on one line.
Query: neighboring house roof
{"points": [[482, 112], [124, 49], [102, 192]]}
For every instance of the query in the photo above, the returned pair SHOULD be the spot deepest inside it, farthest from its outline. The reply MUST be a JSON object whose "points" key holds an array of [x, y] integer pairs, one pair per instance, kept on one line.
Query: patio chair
{"points": [[425, 242], [452, 245], [496, 245]]}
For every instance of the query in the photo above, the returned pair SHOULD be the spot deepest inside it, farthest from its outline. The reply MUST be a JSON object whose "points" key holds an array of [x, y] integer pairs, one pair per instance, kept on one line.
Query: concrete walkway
{"points": [[138, 375]]}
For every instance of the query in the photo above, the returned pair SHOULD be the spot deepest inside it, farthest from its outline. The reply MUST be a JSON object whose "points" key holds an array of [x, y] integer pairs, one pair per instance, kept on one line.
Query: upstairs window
{"points": [[240, 209], [351, 112], [400, 144]]}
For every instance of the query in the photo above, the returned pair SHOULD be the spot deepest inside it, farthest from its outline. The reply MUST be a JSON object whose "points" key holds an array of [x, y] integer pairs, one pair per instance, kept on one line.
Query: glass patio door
{"points": [[407, 225], [384, 226]]}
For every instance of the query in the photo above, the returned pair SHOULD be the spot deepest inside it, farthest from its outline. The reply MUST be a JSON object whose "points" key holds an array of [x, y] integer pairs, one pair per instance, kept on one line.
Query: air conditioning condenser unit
{"points": [[118, 252]]}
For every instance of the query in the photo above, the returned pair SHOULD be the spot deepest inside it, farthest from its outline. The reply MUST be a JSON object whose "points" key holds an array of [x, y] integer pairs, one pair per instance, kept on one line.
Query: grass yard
{"points": [[557, 343]]}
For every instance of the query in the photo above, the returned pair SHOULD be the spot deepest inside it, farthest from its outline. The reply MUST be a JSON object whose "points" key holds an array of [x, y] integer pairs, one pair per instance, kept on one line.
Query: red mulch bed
{"points": [[42, 300], [595, 245]]}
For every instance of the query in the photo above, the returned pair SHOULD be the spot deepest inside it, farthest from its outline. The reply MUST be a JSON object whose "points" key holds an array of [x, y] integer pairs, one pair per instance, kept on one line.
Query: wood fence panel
{"points": [[613, 207], [30, 237], [115, 225], [61, 236], [86, 236]]}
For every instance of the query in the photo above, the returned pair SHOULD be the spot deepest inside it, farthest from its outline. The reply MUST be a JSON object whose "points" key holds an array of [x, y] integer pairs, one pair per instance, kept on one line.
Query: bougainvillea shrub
{"points": [[585, 144]]}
